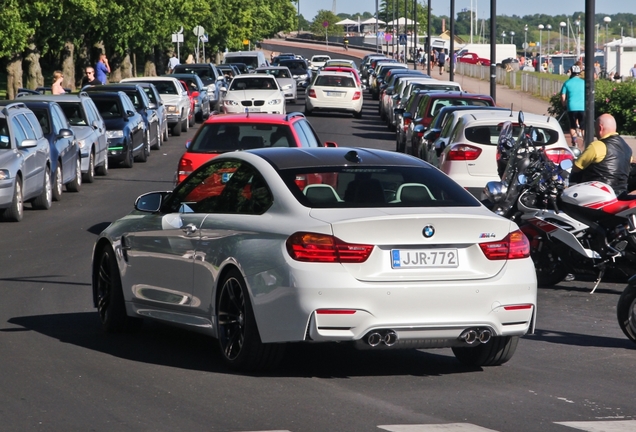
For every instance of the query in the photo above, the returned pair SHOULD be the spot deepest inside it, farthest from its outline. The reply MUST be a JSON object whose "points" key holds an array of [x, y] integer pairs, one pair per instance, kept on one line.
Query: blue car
{"points": [[66, 158], [125, 128]]}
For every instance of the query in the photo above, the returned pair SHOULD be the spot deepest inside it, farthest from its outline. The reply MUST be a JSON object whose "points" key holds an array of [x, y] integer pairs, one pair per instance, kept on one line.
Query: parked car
{"points": [[340, 63], [284, 77], [213, 79], [300, 71], [377, 76], [389, 81], [89, 129], [229, 71], [254, 93], [352, 71], [365, 65], [429, 106], [241, 67], [199, 92], [469, 154], [65, 155], [175, 98], [318, 61], [253, 59], [334, 91], [231, 132], [125, 128], [156, 103], [472, 58], [381, 252], [142, 104], [25, 163]]}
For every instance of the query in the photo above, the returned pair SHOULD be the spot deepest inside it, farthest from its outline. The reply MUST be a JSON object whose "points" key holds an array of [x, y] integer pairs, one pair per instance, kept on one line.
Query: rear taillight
{"points": [[185, 168], [406, 123], [313, 247], [514, 246], [301, 182], [558, 155], [357, 95], [312, 93], [463, 152]]}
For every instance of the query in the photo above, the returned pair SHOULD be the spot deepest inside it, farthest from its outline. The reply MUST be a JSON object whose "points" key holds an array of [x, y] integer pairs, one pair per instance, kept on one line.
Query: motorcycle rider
{"points": [[607, 159]]}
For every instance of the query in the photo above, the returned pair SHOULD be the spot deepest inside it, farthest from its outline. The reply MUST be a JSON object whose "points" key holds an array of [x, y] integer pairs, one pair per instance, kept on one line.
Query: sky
{"points": [[309, 8]]}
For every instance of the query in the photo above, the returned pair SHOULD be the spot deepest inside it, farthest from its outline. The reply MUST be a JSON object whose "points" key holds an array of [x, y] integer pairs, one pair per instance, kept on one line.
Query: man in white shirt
{"points": [[173, 62]]}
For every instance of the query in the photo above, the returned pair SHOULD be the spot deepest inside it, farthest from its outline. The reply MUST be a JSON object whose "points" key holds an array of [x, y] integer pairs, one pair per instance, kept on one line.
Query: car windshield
{"points": [[320, 59], [248, 60], [150, 94], [254, 83], [369, 186], [108, 108], [334, 81], [74, 113], [165, 87], [224, 137], [278, 73], [43, 118]]}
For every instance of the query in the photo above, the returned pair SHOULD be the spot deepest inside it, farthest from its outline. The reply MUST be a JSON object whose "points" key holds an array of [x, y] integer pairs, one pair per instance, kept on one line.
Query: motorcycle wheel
{"points": [[550, 271], [626, 312]]}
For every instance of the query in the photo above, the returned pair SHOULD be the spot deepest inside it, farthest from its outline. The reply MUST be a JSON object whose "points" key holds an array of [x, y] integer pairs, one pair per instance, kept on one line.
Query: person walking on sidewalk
{"points": [[573, 100], [441, 60], [608, 159]]}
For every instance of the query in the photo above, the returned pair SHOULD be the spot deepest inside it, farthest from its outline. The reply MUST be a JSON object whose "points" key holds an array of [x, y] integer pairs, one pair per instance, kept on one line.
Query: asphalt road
{"points": [[60, 372]]}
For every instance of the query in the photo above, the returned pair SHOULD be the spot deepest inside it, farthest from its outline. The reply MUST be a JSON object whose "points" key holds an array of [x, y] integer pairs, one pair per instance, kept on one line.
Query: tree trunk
{"points": [[150, 68], [68, 65], [34, 77], [14, 75], [126, 67]]}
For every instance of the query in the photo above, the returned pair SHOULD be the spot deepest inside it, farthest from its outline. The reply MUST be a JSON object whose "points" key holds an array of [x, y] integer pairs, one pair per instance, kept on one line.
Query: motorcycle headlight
{"points": [[274, 102], [114, 134]]}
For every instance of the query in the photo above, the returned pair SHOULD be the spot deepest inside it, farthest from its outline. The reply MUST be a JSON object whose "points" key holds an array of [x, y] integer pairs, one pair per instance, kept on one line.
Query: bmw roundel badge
{"points": [[428, 231]]}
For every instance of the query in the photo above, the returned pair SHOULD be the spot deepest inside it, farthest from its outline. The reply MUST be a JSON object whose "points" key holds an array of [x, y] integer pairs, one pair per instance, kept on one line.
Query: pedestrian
{"points": [[190, 59], [57, 88], [607, 159], [345, 42], [441, 60], [102, 69], [573, 100], [173, 62], [597, 69], [632, 72], [454, 61], [89, 78]]}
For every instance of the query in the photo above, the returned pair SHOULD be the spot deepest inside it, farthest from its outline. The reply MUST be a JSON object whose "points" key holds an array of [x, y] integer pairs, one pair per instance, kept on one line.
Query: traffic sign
{"points": [[325, 24], [402, 39], [198, 31], [388, 37]]}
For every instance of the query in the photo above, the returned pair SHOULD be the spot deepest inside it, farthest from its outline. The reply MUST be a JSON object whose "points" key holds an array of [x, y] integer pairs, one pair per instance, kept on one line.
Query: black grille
{"points": [[259, 103], [246, 103]]}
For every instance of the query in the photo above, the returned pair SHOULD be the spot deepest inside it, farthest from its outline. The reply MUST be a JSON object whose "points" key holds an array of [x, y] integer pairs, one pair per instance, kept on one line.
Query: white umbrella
{"points": [[347, 22], [400, 21], [371, 21]]}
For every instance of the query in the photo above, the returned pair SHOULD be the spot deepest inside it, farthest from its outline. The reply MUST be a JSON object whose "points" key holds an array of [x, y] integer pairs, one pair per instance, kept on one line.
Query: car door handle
{"points": [[189, 229]]}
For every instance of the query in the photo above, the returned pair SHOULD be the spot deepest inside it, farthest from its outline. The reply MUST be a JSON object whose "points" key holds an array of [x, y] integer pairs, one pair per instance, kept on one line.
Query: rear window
{"points": [[382, 186], [225, 137], [489, 135], [334, 81], [320, 59], [248, 60], [438, 104]]}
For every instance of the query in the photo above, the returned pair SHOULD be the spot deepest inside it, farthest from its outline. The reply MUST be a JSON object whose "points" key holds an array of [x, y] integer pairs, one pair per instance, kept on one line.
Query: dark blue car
{"points": [[66, 159], [125, 128]]}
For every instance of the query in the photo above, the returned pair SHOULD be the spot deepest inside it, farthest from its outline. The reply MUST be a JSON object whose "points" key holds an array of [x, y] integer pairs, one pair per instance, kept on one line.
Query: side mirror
{"points": [[65, 133], [130, 113], [418, 120], [406, 115], [431, 135], [187, 144], [330, 144], [28, 143], [195, 94], [419, 129], [220, 78], [95, 124], [150, 202], [152, 105]]}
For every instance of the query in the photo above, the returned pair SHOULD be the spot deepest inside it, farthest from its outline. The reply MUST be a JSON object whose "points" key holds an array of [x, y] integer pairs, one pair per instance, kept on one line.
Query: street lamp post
{"points": [[503, 37], [607, 20], [578, 38], [512, 37], [549, 27], [525, 42], [540, 45], [561, 25]]}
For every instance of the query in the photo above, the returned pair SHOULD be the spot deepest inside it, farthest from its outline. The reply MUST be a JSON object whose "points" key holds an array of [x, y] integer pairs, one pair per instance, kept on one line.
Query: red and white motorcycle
{"points": [[578, 229]]}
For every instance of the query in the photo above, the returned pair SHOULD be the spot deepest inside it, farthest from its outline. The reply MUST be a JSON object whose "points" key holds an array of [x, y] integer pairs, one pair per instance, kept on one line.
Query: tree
{"points": [[318, 28]]}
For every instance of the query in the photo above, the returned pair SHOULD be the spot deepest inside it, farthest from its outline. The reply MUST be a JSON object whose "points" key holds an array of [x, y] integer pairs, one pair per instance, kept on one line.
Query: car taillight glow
{"points": [[185, 168], [313, 247], [518, 307], [357, 95], [335, 311], [463, 152], [514, 246], [558, 155], [312, 93]]}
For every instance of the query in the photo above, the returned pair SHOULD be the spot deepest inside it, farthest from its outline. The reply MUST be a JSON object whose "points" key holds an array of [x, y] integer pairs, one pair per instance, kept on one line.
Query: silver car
{"points": [[285, 80], [25, 162], [89, 128]]}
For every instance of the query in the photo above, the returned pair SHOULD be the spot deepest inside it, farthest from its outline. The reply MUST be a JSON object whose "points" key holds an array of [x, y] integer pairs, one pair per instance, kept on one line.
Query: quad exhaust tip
{"points": [[470, 336], [386, 337]]}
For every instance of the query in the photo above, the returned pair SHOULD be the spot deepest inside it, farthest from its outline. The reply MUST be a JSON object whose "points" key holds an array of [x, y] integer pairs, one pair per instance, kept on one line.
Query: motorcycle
{"points": [[626, 310], [573, 229]]}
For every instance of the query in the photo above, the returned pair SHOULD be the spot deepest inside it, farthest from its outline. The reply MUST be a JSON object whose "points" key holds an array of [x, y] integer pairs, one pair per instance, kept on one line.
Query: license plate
{"points": [[426, 258], [252, 109], [334, 94]]}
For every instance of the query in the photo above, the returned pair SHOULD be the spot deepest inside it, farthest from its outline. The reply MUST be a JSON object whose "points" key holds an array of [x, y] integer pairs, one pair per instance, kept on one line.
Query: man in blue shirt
{"points": [[573, 99], [102, 69]]}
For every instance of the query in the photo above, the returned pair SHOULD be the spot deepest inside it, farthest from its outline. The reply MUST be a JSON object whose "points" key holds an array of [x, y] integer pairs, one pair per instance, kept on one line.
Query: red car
{"points": [[473, 58], [193, 98], [344, 69], [231, 132]]}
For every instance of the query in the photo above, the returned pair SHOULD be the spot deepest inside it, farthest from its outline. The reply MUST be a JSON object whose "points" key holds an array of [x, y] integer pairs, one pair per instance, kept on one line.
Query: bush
{"points": [[615, 98]]}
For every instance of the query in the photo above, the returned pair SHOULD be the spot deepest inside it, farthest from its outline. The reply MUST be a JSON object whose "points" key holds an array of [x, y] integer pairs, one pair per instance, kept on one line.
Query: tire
{"points": [[198, 118], [76, 184], [45, 199], [129, 160], [237, 331], [102, 170], [496, 352], [89, 176], [550, 270], [626, 312], [15, 213], [308, 112], [185, 124], [145, 151], [111, 307], [176, 129], [57, 186], [157, 145], [165, 133]]}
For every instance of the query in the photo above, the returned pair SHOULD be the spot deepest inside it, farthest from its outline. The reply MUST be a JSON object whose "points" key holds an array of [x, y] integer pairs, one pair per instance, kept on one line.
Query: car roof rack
{"points": [[14, 105]]}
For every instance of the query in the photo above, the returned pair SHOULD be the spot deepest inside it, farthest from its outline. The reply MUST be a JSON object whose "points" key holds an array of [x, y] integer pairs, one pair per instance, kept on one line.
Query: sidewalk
{"points": [[504, 97]]}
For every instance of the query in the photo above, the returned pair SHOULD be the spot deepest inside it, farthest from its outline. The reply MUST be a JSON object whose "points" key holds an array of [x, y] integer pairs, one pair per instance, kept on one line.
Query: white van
{"points": [[253, 59]]}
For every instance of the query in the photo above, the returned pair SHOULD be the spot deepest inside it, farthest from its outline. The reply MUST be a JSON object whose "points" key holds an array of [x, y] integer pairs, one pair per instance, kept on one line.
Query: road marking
{"points": [[603, 426], [449, 427]]}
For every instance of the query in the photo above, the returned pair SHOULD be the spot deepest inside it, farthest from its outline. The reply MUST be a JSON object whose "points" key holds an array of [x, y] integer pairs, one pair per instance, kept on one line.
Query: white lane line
{"points": [[603, 426], [449, 427]]}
